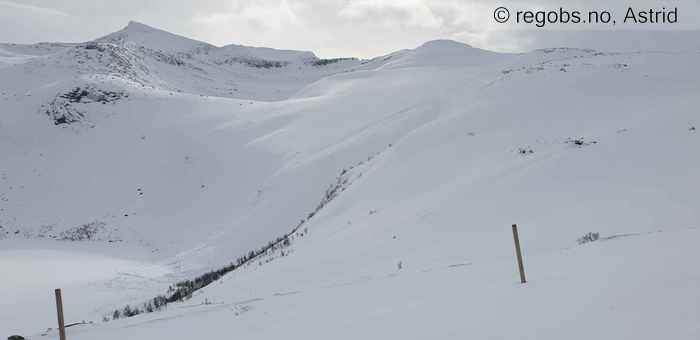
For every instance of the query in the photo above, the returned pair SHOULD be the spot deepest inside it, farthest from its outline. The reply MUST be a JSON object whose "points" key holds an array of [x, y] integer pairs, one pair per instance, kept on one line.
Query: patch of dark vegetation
{"points": [[580, 142], [85, 232], [325, 62], [587, 238], [254, 62], [184, 290], [525, 151], [92, 231], [621, 66]]}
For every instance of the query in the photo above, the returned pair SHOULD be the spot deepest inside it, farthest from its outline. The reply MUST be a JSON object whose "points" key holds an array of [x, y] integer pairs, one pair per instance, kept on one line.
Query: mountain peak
{"points": [[149, 36], [446, 53], [155, 38], [444, 44], [135, 26]]}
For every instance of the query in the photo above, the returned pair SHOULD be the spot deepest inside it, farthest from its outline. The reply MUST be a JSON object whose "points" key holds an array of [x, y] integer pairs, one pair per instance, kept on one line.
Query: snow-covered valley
{"points": [[143, 158]]}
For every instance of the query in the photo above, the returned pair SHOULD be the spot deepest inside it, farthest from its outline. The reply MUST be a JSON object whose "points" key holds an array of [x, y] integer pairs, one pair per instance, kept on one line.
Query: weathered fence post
{"points": [[519, 254], [59, 310]]}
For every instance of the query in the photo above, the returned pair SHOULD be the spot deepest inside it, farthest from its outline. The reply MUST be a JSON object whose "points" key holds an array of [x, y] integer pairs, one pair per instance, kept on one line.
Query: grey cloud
{"points": [[10, 6]]}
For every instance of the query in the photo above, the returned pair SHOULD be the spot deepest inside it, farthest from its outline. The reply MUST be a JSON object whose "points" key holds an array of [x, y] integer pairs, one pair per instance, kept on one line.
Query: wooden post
{"points": [[519, 254], [59, 310]]}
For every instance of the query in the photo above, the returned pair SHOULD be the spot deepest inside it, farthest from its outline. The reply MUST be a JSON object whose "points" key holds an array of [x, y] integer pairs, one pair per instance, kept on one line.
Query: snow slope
{"points": [[178, 175]]}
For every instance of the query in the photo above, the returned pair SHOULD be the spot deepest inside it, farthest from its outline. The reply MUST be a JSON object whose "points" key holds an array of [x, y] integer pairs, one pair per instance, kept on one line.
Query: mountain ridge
{"points": [[140, 32]]}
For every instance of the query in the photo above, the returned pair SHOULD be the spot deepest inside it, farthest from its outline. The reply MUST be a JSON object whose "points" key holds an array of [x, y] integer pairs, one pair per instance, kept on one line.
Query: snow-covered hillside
{"points": [[143, 158]]}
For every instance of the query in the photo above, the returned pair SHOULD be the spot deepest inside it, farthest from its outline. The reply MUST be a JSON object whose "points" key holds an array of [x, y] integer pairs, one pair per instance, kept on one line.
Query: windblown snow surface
{"points": [[143, 158]]}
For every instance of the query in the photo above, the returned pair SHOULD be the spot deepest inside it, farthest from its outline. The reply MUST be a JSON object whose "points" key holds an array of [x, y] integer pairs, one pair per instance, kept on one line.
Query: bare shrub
{"points": [[587, 238]]}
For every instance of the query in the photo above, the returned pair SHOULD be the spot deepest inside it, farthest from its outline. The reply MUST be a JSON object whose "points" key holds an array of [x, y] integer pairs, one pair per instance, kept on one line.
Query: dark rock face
{"points": [[65, 108], [90, 94], [62, 113]]}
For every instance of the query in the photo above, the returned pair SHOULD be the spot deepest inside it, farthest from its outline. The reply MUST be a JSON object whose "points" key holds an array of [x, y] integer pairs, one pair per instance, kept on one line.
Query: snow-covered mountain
{"points": [[143, 158]]}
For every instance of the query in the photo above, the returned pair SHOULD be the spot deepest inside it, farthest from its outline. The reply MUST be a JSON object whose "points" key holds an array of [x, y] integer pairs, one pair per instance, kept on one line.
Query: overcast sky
{"points": [[362, 28]]}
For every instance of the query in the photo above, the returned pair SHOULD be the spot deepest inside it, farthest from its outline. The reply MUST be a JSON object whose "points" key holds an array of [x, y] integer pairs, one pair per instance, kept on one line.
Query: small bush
{"points": [[85, 232], [590, 237], [525, 151], [580, 142]]}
